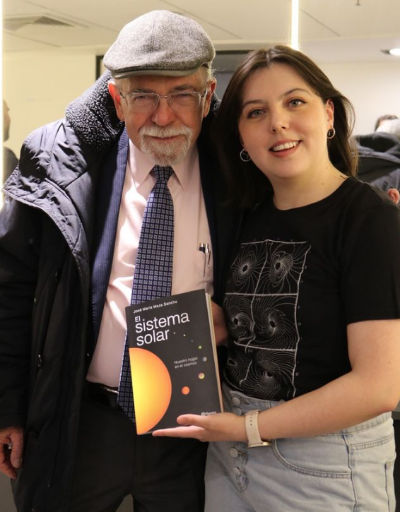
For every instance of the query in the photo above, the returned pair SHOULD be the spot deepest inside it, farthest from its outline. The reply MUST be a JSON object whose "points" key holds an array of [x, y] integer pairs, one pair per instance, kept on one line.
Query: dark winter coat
{"points": [[379, 160], [46, 228]]}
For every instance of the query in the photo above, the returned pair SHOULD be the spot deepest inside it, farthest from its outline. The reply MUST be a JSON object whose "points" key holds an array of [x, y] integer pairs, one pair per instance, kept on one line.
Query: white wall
{"points": [[38, 86], [374, 90]]}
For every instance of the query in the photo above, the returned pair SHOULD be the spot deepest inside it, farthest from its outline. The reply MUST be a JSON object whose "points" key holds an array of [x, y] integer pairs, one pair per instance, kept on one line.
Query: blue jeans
{"points": [[349, 470]]}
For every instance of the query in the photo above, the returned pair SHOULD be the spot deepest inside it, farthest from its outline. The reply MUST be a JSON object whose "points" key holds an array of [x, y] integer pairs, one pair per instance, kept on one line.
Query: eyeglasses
{"points": [[147, 102]]}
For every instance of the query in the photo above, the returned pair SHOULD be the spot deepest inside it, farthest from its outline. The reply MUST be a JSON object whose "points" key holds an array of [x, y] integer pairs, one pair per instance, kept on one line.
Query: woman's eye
{"points": [[257, 112], [296, 102]]}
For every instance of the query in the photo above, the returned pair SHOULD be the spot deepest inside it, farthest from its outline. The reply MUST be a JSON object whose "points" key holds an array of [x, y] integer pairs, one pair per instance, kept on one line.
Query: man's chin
{"points": [[165, 162], [165, 158]]}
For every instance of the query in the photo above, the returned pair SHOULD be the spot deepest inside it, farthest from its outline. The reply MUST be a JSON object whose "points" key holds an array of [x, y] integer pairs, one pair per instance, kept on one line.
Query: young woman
{"points": [[312, 305]]}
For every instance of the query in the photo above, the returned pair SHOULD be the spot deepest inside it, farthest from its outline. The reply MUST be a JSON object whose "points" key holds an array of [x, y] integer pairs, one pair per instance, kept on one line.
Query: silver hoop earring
{"points": [[244, 156], [331, 133]]}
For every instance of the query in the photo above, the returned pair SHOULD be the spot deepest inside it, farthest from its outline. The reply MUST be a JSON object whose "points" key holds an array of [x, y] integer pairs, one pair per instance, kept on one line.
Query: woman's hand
{"points": [[215, 427]]}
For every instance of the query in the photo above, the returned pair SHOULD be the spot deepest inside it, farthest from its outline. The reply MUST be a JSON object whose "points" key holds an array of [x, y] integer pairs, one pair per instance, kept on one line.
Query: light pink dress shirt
{"points": [[189, 271]]}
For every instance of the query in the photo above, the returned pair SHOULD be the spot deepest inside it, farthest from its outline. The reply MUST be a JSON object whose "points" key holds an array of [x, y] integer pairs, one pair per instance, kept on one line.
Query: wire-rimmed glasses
{"points": [[147, 102]]}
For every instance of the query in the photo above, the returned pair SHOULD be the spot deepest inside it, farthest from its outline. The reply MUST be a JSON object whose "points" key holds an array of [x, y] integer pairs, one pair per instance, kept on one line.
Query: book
{"points": [[173, 359]]}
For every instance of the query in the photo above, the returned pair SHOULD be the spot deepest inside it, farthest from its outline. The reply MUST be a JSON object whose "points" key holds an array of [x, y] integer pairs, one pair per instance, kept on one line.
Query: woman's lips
{"points": [[282, 146]]}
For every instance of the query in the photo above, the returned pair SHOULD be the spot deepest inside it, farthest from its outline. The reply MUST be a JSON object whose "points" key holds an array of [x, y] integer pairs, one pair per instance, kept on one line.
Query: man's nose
{"points": [[163, 114]]}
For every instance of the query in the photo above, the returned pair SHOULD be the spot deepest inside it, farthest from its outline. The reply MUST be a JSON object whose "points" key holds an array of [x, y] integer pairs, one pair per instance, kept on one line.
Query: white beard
{"points": [[165, 154]]}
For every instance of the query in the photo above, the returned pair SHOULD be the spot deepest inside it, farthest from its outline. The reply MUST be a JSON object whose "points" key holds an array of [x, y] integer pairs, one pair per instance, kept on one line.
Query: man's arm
{"points": [[18, 270]]}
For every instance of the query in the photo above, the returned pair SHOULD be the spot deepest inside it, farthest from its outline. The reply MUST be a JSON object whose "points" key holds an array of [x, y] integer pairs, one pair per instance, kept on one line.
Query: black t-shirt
{"points": [[299, 278]]}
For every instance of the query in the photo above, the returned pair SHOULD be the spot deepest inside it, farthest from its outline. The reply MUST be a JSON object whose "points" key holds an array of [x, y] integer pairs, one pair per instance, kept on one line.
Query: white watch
{"points": [[253, 434]]}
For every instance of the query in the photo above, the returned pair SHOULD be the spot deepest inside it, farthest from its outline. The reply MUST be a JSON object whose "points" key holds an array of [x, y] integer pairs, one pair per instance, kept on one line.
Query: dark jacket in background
{"points": [[379, 160], [10, 162], [46, 230]]}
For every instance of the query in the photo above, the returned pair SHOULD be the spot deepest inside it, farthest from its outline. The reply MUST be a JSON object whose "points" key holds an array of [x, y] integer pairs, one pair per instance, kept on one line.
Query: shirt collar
{"points": [[141, 165]]}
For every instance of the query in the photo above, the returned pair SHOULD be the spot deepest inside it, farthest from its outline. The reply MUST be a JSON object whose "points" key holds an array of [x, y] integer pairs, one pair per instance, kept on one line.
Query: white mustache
{"points": [[160, 132]]}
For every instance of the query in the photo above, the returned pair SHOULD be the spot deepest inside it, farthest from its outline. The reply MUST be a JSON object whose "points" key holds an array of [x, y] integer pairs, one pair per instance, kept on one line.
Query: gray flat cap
{"points": [[160, 43]]}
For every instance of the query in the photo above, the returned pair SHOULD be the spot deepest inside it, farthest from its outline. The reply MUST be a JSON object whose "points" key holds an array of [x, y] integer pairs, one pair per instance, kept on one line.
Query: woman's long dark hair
{"points": [[246, 183]]}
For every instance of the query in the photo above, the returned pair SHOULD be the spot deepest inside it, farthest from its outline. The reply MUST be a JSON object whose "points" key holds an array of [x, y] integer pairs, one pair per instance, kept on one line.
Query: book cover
{"points": [[173, 359]]}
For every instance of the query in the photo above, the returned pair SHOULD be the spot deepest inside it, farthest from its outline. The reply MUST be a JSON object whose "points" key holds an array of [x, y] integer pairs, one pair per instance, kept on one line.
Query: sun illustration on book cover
{"points": [[154, 386]]}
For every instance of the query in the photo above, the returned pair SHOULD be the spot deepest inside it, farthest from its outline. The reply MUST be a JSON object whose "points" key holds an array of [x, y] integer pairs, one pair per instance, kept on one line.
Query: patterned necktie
{"points": [[153, 270]]}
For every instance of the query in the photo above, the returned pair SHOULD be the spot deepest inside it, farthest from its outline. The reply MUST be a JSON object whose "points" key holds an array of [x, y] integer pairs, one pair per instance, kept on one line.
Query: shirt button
{"points": [[236, 400], [233, 452], [237, 471], [237, 411]]}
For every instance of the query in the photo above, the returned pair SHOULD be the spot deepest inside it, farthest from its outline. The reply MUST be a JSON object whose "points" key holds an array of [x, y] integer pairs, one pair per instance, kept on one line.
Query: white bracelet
{"points": [[253, 434]]}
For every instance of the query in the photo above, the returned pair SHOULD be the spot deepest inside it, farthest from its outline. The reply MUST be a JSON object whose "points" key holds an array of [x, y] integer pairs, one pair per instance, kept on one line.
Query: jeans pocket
{"points": [[321, 456], [371, 460], [389, 467]]}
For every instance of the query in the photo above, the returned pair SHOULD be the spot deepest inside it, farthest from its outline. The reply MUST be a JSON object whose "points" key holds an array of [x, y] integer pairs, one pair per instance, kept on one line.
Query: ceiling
{"points": [[330, 30]]}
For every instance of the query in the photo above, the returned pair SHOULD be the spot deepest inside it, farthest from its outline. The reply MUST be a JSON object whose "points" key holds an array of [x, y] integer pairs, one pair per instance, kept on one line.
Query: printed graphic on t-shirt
{"points": [[260, 304]]}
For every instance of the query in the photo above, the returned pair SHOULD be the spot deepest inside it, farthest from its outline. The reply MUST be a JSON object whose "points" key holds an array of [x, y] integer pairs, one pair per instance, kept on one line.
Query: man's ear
{"points": [[210, 90], [114, 92]]}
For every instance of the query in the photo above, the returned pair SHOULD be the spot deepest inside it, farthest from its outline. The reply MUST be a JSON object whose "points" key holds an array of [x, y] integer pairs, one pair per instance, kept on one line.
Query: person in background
{"points": [[70, 234], [312, 304], [383, 118], [10, 161], [379, 156]]}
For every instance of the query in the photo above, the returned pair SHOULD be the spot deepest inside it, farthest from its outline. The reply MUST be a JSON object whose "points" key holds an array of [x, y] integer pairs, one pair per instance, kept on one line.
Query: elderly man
{"points": [[108, 207]]}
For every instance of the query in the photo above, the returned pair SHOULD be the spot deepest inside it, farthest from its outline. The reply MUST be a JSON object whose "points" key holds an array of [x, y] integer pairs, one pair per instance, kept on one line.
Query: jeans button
{"points": [[233, 452]]}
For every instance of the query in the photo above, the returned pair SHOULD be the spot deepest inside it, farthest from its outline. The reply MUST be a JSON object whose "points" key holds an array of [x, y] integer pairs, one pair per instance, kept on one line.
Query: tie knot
{"points": [[162, 173]]}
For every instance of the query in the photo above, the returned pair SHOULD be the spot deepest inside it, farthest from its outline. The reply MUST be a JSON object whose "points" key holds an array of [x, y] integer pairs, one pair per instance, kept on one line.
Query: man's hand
{"points": [[11, 446], [221, 333], [394, 195]]}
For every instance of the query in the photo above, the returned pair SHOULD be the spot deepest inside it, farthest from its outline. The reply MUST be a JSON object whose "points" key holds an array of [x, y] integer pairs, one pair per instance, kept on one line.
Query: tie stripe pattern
{"points": [[153, 270]]}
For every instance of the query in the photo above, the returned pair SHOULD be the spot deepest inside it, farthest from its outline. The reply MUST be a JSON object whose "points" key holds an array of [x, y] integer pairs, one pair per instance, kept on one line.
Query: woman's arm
{"points": [[372, 387]]}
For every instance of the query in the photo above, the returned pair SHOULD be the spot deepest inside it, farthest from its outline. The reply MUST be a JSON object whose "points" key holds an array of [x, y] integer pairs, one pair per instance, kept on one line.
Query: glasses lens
{"points": [[182, 100], [146, 102]]}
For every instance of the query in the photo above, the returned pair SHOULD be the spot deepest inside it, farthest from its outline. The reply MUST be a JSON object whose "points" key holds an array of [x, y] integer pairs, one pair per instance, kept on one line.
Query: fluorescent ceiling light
{"points": [[392, 51], [295, 24]]}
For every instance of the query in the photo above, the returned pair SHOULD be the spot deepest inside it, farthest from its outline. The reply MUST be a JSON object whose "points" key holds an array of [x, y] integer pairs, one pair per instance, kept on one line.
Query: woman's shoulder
{"points": [[364, 195]]}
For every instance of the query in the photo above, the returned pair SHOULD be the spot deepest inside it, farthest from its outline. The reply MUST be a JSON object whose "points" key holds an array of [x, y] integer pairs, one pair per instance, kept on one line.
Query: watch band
{"points": [[253, 434]]}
